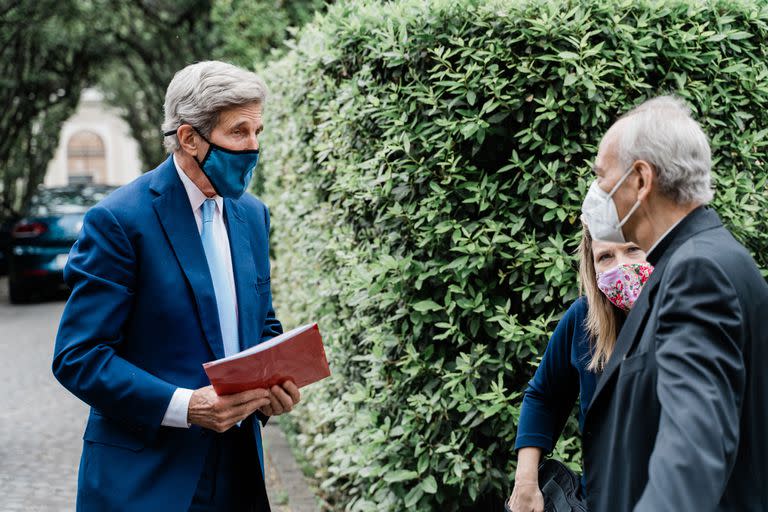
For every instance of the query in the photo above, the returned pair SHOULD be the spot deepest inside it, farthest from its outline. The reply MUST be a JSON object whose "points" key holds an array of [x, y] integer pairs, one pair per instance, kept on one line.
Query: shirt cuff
{"points": [[176, 414]]}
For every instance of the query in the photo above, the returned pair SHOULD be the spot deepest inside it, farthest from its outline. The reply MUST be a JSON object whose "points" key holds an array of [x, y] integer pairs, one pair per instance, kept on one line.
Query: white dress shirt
{"points": [[176, 414]]}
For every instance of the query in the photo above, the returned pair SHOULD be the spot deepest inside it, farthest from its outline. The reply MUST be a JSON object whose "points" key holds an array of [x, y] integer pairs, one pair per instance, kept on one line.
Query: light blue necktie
{"points": [[222, 286]]}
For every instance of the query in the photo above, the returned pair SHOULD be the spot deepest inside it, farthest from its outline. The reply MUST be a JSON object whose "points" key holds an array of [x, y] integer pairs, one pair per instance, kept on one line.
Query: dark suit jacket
{"points": [[679, 419], [140, 322]]}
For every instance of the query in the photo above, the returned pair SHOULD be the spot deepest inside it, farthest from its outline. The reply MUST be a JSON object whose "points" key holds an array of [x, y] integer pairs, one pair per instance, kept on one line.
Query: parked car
{"points": [[7, 220], [41, 240]]}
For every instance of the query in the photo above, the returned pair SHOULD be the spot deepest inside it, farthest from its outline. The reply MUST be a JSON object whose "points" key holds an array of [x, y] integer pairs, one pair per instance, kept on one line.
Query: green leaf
{"points": [[400, 475], [423, 463], [468, 130], [429, 485], [413, 497], [547, 203], [735, 36], [426, 305]]}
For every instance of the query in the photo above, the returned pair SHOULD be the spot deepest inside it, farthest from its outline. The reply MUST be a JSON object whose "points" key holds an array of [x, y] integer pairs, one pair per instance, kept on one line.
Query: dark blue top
{"points": [[561, 377]]}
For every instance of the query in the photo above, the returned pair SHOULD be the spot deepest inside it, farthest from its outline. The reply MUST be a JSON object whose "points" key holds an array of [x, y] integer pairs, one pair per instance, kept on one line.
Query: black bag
{"points": [[560, 487]]}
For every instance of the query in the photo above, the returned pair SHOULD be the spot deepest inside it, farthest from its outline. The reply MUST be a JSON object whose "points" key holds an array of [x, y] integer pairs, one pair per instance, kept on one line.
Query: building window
{"points": [[86, 158]]}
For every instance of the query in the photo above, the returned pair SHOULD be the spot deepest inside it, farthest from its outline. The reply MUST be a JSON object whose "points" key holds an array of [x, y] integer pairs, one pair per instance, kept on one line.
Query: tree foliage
{"points": [[130, 50], [248, 33], [47, 52], [153, 41], [425, 166]]}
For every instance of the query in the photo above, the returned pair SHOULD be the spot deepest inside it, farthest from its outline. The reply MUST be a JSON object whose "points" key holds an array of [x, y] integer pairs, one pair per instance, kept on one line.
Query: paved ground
{"points": [[41, 424]]}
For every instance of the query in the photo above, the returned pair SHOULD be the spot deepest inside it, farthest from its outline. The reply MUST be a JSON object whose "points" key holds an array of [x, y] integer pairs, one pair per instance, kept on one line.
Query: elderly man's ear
{"points": [[646, 179], [189, 140]]}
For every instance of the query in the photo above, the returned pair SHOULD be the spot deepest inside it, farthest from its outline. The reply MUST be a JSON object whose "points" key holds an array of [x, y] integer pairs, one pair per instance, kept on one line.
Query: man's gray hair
{"points": [[662, 132], [199, 92]]}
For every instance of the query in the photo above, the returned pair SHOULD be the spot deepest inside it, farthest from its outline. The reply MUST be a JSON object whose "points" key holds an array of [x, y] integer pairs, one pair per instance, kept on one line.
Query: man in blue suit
{"points": [[169, 272]]}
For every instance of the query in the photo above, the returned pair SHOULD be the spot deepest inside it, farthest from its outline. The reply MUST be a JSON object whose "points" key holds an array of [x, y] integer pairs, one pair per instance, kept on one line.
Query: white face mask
{"points": [[600, 215]]}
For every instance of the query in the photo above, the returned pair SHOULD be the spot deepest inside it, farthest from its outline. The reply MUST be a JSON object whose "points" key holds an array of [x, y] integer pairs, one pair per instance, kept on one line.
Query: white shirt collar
{"points": [[196, 196]]}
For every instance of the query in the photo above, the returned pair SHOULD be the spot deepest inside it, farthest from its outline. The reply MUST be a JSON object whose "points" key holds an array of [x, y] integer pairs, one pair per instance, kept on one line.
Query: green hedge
{"points": [[425, 162]]}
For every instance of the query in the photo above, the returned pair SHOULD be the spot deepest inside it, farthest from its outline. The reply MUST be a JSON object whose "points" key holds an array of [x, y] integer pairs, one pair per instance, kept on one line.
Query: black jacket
{"points": [[679, 419]]}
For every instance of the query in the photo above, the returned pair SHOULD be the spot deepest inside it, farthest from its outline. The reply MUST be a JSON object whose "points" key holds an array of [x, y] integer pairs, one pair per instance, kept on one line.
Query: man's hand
{"points": [[282, 399], [219, 413]]}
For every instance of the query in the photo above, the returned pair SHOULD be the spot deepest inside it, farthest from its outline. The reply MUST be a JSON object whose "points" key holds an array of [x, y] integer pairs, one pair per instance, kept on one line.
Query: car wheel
{"points": [[17, 293]]}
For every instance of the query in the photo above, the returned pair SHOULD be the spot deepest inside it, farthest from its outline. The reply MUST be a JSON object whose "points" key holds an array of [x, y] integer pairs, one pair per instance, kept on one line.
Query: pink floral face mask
{"points": [[623, 284]]}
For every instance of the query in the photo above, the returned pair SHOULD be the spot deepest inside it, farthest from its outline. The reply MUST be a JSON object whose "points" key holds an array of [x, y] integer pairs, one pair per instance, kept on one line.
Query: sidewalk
{"points": [[288, 490]]}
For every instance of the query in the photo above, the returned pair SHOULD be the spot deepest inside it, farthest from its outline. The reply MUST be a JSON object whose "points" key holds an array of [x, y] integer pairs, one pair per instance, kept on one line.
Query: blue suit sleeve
{"points": [[101, 273], [272, 326], [552, 392]]}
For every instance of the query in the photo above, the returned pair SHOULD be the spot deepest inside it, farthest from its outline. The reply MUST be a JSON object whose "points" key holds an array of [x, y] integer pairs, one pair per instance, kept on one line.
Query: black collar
{"points": [[697, 220]]}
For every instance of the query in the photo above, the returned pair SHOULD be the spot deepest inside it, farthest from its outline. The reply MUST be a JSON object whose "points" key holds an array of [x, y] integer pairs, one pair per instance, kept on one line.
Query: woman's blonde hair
{"points": [[603, 319]]}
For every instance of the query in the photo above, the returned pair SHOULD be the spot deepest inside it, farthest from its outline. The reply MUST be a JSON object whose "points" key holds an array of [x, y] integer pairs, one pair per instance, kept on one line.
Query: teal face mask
{"points": [[229, 171]]}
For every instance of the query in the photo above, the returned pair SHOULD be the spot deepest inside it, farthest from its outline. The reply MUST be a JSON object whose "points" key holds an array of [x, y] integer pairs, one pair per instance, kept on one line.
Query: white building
{"points": [[95, 146]]}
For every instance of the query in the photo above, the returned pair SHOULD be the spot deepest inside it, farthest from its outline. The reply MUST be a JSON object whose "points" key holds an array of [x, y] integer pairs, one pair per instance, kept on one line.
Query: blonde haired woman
{"points": [[611, 277]]}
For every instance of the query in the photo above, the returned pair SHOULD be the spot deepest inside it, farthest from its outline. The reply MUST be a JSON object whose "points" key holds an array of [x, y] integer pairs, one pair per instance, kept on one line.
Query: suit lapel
{"points": [[245, 271], [178, 221]]}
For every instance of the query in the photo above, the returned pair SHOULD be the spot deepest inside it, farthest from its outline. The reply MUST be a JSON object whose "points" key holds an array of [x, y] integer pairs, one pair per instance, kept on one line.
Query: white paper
{"points": [[261, 347]]}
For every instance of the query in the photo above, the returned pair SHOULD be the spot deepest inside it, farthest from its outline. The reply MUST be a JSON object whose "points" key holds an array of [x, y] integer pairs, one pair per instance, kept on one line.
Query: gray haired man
{"points": [[678, 419], [169, 272]]}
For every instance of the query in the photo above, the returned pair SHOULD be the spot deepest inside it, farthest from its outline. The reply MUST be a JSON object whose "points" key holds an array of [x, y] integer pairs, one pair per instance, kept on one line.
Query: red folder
{"points": [[296, 355]]}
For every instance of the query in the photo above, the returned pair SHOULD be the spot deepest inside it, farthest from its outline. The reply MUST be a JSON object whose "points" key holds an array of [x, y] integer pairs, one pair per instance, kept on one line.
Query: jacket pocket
{"points": [[633, 364], [102, 430]]}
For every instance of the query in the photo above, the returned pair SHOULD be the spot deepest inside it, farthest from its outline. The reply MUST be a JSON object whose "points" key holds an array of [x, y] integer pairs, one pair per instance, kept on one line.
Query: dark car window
{"points": [[59, 201]]}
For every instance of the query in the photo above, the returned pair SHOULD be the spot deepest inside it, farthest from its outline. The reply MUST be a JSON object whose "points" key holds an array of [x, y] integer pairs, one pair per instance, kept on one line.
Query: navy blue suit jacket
{"points": [[140, 322]]}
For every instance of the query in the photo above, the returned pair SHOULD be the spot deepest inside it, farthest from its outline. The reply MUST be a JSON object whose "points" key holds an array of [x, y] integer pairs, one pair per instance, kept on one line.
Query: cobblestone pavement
{"points": [[41, 424]]}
